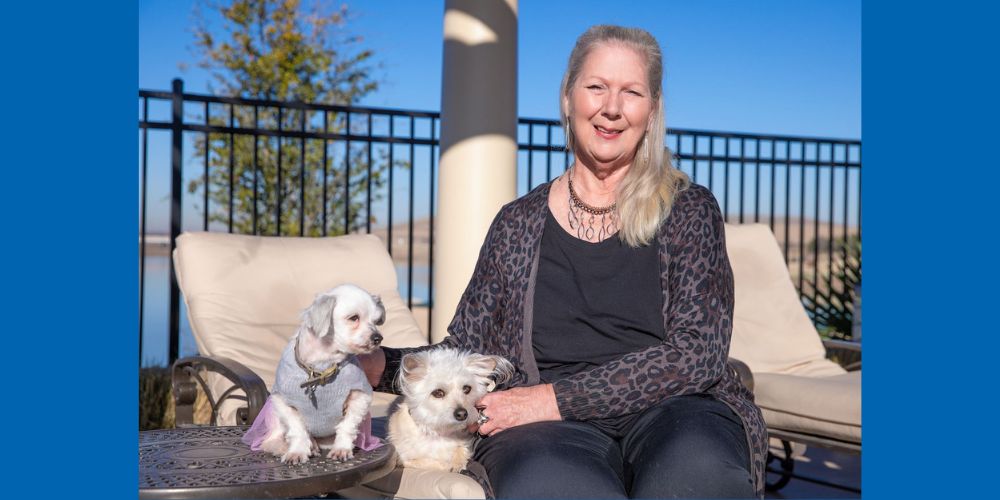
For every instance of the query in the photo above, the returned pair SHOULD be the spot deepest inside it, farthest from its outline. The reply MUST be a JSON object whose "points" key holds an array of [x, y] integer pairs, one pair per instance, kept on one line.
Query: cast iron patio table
{"points": [[212, 462]]}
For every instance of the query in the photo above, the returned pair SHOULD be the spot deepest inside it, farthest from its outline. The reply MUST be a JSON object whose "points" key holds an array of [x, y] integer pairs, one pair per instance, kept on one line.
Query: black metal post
{"points": [[531, 141], [430, 252], [325, 146], [176, 163], [347, 175], [142, 224], [208, 181], [409, 244], [302, 175]]}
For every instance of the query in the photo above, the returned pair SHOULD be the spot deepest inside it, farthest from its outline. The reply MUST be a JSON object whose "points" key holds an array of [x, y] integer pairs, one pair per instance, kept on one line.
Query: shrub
{"points": [[833, 309], [154, 397]]}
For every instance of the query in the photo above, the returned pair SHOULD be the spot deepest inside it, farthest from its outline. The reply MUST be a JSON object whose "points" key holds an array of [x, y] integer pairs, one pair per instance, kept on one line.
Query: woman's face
{"points": [[610, 106]]}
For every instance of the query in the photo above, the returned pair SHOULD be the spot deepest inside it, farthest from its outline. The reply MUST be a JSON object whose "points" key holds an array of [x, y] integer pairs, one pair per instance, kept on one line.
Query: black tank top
{"points": [[593, 302]]}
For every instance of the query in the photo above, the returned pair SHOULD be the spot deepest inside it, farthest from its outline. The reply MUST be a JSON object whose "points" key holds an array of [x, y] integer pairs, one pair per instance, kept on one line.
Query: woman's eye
{"points": [[466, 389], [438, 393], [635, 93]]}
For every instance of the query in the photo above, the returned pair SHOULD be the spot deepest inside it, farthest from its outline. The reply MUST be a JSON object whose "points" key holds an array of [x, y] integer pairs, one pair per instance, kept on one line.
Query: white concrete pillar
{"points": [[478, 141]]}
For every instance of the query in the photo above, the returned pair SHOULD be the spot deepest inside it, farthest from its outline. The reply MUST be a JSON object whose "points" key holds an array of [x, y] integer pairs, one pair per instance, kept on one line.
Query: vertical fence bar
{"points": [[774, 171], [531, 176], [548, 152], [430, 253], [256, 168], [368, 209], [847, 195], [829, 255], [725, 187], [675, 158], [142, 222], [742, 170], [232, 165], [409, 248], [756, 181], [802, 213], [279, 186], [208, 150], [392, 123], [859, 193], [788, 194], [176, 164], [302, 173], [326, 145], [815, 279], [347, 175], [711, 161], [694, 158]]}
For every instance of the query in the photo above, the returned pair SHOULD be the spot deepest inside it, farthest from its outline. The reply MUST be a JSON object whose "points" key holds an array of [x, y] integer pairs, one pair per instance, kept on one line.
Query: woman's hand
{"points": [[518, 406], [373, 364]]}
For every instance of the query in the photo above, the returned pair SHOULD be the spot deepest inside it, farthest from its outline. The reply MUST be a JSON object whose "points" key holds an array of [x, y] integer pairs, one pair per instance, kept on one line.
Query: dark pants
{"points": [[685, 447]]}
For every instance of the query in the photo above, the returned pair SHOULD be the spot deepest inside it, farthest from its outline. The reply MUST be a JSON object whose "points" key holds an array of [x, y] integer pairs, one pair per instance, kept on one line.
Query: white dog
{"points": [[433, 427], [321, 394]]}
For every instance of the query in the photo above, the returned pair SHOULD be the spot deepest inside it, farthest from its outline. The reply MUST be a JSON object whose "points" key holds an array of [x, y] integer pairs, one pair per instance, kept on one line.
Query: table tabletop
{"points": [[212, 462]]}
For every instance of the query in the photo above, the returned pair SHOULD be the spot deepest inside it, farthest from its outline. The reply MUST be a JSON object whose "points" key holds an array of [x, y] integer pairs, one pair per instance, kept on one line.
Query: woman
{"points": [[610, 290]]}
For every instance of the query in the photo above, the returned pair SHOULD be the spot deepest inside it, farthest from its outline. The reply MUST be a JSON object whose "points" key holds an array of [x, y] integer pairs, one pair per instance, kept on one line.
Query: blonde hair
{"points": [[646, 193]]}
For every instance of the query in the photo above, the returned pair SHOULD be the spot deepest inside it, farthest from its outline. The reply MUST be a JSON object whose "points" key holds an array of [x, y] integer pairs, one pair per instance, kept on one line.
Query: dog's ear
{"points": [[319, 315], [379, 310], [495, 367], [413, 367]]}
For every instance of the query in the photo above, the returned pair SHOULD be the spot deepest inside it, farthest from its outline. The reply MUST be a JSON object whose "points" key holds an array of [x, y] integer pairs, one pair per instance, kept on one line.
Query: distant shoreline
{"points": [[159, 244]]}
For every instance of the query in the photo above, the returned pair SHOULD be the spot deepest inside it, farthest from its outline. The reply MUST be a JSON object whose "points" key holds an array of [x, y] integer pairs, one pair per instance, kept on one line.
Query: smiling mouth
{"points": [[607, 133]]}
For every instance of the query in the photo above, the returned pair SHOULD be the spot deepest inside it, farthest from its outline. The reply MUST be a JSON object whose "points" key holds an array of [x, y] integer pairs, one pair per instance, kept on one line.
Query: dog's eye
{"points": [[354, 318], [438, 393], [466, 389]]}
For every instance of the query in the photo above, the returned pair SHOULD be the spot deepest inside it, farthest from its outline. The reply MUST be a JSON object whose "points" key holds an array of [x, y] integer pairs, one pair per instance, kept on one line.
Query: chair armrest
{"points": [[746, 376], [187, 376], [850, 357], [842, 345]]}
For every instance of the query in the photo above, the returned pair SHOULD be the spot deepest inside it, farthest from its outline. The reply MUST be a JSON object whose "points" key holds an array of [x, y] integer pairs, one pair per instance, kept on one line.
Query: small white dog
{"points": [[431, 427], [320, 394]]}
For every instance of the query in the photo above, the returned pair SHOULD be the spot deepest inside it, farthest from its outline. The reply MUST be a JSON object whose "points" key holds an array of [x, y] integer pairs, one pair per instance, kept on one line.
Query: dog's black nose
{"points": [[461, 414], [376, 338]]}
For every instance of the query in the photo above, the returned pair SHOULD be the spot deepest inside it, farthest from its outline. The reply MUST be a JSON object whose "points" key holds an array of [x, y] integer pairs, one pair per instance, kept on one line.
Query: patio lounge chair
{"points": [[244, 295], [805, 397]]}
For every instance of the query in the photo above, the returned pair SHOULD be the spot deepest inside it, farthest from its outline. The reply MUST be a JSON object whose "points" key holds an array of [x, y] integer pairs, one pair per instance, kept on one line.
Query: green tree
{"points": [[278, 50]]}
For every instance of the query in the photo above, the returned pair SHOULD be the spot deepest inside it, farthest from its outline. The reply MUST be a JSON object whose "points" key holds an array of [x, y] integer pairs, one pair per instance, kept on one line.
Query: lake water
{"points": [[156, 309]]}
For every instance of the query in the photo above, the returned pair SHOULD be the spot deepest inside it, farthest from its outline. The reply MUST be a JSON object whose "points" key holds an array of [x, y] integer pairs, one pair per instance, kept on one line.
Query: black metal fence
{"points": [[302, 169]]}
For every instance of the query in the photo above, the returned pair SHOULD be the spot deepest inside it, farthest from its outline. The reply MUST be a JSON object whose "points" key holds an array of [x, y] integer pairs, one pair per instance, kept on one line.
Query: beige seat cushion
{"points": [[417, 483], [771, 330], [826, 406]]}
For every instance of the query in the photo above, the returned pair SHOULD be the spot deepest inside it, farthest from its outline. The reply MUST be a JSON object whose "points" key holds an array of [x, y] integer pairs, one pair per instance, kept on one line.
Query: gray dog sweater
{"points": [[321, 420]]}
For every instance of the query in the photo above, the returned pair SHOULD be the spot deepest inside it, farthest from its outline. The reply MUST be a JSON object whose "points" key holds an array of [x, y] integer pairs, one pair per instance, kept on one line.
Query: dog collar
{"points": [[315, 377]]}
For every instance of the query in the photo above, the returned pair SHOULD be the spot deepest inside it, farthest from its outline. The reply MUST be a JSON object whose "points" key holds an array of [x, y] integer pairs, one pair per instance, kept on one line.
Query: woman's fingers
{"points": [[517, 406]]}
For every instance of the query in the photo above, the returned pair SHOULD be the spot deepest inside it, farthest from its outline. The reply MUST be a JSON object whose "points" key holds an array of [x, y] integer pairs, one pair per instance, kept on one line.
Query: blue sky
{"points": [[768, 66]]}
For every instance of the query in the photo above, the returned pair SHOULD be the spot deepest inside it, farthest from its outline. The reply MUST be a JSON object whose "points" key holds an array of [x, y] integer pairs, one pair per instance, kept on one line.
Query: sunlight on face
{"points": [[610, 107]]}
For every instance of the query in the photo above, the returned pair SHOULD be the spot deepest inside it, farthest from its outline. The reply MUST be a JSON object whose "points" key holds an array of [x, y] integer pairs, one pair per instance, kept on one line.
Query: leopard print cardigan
{"points": [[495, 314]]}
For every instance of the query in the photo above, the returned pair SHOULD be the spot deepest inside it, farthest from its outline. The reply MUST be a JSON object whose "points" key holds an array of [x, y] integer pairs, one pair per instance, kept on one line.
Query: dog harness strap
{"points": [[315, 378], [320, 378]]}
